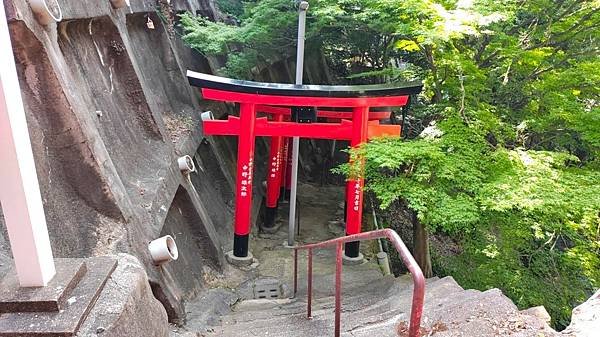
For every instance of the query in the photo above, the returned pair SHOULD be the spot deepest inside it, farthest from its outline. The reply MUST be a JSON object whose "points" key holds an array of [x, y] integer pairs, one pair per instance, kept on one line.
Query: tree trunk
{"points": [[421, 247], [437, 83]]}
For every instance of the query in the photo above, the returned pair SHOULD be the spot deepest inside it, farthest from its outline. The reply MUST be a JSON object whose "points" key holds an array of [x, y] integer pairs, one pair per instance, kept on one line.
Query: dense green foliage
{"points": [[527, 221], [234, 8], [502, 149], [265, 35]]}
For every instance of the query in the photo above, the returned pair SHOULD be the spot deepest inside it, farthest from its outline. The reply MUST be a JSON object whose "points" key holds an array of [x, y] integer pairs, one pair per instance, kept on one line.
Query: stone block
{"points": [[126, 306], [14, 298], [353, 261], [539, 312], [67, 321], [239, 261], [586, 318]]}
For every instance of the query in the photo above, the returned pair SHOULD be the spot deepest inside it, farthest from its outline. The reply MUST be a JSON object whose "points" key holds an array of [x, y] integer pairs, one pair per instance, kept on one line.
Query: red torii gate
{"points": [[270, 98]]}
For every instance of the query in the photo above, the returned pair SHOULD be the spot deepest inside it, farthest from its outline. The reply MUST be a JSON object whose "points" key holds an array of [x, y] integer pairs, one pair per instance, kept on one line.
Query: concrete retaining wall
{"points": [[109, 112]]}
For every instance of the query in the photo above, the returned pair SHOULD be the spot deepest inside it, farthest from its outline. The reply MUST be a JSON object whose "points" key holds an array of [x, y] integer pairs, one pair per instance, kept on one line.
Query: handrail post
{"points": [[414, 269], [295, 271], [310, 269], [418, 280], [417, 305], [338, 289]]}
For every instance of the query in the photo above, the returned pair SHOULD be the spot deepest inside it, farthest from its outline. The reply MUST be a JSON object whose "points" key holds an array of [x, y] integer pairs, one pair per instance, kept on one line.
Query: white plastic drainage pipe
{"points": [[186, 164], [163, 250], [120, 3], [43, 13], [207, 116]]}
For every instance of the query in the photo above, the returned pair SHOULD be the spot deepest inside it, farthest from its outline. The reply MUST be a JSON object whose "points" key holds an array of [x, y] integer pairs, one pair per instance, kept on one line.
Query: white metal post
{"points": [[19, 188], [302, 8]]}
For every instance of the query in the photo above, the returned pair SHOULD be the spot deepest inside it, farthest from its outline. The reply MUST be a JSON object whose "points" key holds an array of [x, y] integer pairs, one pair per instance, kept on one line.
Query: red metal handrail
{"points": [[407, 258]]}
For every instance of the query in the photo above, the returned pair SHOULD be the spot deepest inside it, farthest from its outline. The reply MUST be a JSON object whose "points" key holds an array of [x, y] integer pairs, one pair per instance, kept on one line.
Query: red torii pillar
{"points": [[354, 185], [274, 177], [247, 127], [285, 168], [245, 173]]}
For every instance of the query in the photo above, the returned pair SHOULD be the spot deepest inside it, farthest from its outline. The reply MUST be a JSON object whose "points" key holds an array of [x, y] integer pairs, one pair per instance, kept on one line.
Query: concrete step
{"points": [[355, 299], [384, 310], [324, 275], [467, 313], [367, 307]]}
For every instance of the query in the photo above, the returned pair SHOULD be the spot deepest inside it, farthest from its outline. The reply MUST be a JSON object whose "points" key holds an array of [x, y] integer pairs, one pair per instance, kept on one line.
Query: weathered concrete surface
{"points": [[211, 180], [5, 259], [372, 304], [52, 297], [185, 276], [67, 321], [539, 312], [206, 311], [74, 190], [109, 112], [126, 306], [381, 308]]}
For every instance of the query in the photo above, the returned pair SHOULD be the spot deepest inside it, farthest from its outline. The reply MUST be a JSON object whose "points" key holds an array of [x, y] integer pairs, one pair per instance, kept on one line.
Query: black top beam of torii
{"points": [[283, 89]]}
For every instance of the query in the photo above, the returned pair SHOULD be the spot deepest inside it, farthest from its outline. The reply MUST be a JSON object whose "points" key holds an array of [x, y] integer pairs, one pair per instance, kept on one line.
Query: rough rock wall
{"points": [[126, 307], [109, 112]]}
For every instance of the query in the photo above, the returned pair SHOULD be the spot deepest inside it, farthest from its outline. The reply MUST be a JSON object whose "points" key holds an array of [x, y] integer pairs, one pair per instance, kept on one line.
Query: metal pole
{"points": [[19, 187], [295, 271], [302, 8], [309, 288], [338, 290]]}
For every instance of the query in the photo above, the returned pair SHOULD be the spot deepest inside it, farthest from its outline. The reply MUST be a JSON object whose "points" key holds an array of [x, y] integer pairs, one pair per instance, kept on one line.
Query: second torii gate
{"points": [[254, 95], [276, 178]]}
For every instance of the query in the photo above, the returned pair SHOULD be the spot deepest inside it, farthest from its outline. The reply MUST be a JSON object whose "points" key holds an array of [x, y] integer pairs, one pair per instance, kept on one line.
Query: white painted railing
{"points": [[19, 188]]}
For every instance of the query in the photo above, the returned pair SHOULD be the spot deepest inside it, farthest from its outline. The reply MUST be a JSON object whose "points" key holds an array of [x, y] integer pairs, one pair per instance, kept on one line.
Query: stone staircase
{"points": [[372, 305], [381, 308]]}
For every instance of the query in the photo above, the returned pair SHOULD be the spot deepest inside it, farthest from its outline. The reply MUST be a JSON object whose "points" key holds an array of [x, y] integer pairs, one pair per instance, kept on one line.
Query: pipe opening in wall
{"points": [[186, 164], [46, 11], [207, 116], [172, 248], [163, 250]]}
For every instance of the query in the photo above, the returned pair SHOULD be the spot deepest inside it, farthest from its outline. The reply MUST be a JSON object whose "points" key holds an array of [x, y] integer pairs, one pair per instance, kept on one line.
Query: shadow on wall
{"points": [[210, 182], [196, 252], [74, 192]]}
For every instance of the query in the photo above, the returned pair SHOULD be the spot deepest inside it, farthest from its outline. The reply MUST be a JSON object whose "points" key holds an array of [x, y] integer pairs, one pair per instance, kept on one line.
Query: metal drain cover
{"points": [[267, 288]]}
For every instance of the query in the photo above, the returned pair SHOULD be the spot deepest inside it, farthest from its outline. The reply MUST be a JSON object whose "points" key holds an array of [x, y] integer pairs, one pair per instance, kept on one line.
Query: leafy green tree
{"points": [[266, 34], [513, 172]]}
